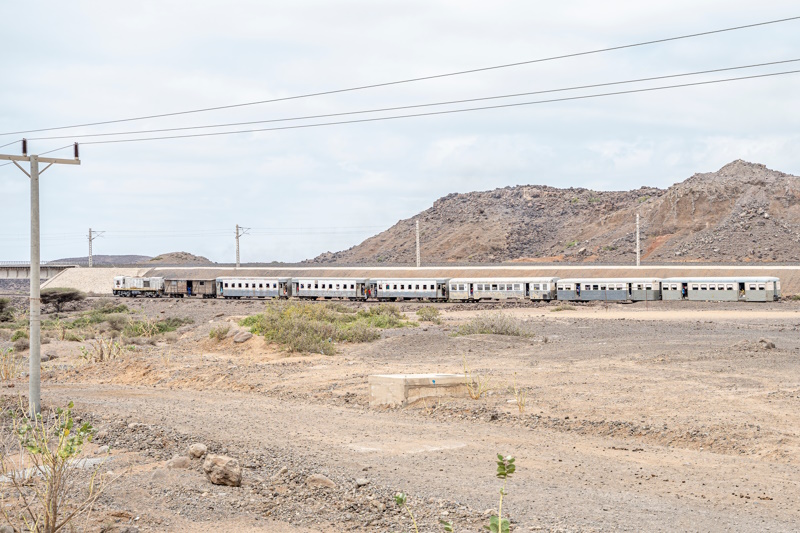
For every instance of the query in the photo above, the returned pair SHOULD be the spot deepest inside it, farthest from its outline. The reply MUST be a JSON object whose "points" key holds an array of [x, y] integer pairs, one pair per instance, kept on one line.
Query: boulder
{"points": [[222, 470], [198, 450], [243, 336], [320, 481]]}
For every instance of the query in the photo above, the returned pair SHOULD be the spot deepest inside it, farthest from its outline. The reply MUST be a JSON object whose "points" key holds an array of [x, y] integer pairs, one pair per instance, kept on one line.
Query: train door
{"points": [[527, 290], [471, 291], [684, 291], [189, 288], [630, 291], [578, 290], [741, 291]]}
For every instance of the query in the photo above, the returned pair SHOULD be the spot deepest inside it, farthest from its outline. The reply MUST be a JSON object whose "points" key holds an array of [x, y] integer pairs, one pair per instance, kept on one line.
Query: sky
{"points": [[306, 191]]}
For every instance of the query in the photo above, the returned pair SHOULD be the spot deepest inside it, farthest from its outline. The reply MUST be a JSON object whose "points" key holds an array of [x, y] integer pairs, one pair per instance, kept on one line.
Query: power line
{"points": [[446, 112], [411, 80], [414, 106]]}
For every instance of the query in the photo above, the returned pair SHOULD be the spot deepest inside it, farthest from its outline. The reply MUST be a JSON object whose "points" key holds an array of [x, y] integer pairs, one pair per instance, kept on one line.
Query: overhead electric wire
{"points": [[445, 112], [9, 144], [414, 106], [412, 80]]}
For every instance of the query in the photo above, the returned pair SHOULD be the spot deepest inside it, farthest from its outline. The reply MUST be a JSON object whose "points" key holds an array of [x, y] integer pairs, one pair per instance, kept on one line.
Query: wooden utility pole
{"points": [[34, 368]]}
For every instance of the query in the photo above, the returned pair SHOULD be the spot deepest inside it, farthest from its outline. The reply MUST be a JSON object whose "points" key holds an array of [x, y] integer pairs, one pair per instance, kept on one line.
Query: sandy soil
{"points": [[639, 417]]}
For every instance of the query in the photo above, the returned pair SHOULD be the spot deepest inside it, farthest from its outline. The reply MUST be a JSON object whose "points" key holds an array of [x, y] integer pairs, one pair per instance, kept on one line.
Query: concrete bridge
{"points": [[22, 269]]}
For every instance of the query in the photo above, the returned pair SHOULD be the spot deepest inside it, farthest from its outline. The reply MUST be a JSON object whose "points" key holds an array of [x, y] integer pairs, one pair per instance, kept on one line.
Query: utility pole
{"points": [[638, 253], [92, 236], [418, 263], [239, 232], [34, 367]]}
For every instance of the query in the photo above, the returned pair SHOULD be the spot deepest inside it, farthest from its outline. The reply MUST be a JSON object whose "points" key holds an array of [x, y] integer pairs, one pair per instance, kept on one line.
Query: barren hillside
{"points": [[744, 212]]}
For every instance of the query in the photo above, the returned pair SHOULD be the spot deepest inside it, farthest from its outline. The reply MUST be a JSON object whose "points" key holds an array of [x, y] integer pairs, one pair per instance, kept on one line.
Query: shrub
{"points": [[56, 488], [219, 333], [313, 328], [6, 311], [495, 324], [60, 297], [21, 344], [19, 334], [429, 314], [562, 307], [117, 322], [147, 327], [101, 350]]}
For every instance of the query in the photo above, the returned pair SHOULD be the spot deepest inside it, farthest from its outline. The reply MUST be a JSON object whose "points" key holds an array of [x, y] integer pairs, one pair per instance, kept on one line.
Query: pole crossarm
{"points": [[50, 160], [22, 169]]}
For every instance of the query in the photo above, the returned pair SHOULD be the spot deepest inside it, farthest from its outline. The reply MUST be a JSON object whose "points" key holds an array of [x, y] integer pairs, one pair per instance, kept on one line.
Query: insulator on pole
{"points": [[24, 146], [76, 151]]}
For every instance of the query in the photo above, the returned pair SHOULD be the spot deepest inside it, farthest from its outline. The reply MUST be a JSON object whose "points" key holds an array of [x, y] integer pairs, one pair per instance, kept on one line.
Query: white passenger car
{"points": [[409, 288], [313, 288], [254, 287], [473, 289]]}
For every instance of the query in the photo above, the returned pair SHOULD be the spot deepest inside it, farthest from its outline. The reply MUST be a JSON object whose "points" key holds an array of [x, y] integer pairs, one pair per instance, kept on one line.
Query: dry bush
{"points": [[101, 350], [478, 385], [10, 364], [495, 324], [20, 345], [519, 395], [429, 314], [562, 307], [219, 333]]}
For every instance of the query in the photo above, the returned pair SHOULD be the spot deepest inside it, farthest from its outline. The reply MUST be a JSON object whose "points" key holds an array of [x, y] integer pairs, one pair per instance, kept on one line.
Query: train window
{"points": [[416, 287], [337, 286], [649, 286], [704, 287], [674, 286], [509, 287], [752, 286], [666, 287], [712, 287], [395, 286], [352, 286], [761, 286], [316, 285], [517, 287], [226, 284], [494, 286], [240, 285], [536, 286], [424, 287], [602, 287], [202, 283], [246, 285], [595, 287], [694, 286]]}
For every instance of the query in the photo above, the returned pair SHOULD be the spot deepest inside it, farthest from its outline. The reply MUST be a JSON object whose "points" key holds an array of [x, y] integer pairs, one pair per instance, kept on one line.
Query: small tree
{"points": [[6, 311], [53, 491], [60, 297]]}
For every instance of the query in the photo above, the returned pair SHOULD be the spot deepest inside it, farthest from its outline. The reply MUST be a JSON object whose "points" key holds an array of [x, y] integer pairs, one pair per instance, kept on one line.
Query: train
{"points": [[732, 289]]}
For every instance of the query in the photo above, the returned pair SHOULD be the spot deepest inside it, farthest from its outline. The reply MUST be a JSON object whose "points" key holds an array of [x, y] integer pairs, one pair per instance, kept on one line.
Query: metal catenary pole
{"points": [[34, 367], [90, 247], [237, 245]]}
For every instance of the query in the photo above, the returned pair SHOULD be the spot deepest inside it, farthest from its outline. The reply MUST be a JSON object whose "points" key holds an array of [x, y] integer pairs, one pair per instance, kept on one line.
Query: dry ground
{"points": [[657, 417]]}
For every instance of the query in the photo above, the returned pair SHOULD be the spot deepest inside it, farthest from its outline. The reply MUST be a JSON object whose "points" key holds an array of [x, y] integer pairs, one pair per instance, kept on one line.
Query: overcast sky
{"points": [[307, 191]]}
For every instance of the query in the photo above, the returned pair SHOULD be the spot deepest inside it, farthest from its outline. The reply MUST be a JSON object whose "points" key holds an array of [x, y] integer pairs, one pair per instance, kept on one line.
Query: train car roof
{"points": [[228, 278], [330, 279], [729, 279], [409, 279], [491, 279], [609, 280]]}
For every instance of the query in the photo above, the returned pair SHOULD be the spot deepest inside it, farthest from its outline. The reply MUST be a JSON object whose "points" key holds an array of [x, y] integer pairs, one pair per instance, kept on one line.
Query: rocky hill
{"points": [[744, 212], [178, 258], [101, 260]]}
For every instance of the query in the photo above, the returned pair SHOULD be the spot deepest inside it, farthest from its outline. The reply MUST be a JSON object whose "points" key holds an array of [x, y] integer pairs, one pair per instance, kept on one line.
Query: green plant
{"points": [[572, 244], [593, 200], [218, 333], [400, 499], [505, 467], [60, 297], [574, 201], [562, 307], [19, 334], [643, 199], [429, 314], [477, 386], [10, 364], [48, 497], [495, 324]]}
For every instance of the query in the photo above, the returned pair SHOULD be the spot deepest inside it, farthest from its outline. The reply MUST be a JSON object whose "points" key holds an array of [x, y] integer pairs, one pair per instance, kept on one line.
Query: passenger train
{"points": [[734, 289]]}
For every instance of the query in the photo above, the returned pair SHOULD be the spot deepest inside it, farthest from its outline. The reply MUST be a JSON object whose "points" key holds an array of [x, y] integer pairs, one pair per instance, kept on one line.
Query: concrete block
{"points": [[403, 389]]}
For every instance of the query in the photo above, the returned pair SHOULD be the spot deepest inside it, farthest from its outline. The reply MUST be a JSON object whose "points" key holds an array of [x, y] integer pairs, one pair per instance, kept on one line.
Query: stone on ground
{"points": [[222, 470]]}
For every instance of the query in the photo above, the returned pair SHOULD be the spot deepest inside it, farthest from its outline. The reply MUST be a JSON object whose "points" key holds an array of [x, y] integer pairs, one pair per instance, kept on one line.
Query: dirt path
{"points": [[562, 480]]}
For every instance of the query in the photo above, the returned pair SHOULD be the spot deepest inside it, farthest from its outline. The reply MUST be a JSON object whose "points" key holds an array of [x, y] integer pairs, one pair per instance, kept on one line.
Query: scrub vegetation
{"points": [[495, 324], [313, 328]]}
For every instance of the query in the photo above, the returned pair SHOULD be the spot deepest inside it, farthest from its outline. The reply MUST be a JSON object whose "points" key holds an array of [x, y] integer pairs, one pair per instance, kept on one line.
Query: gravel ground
{"points": [[654, 417]]}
